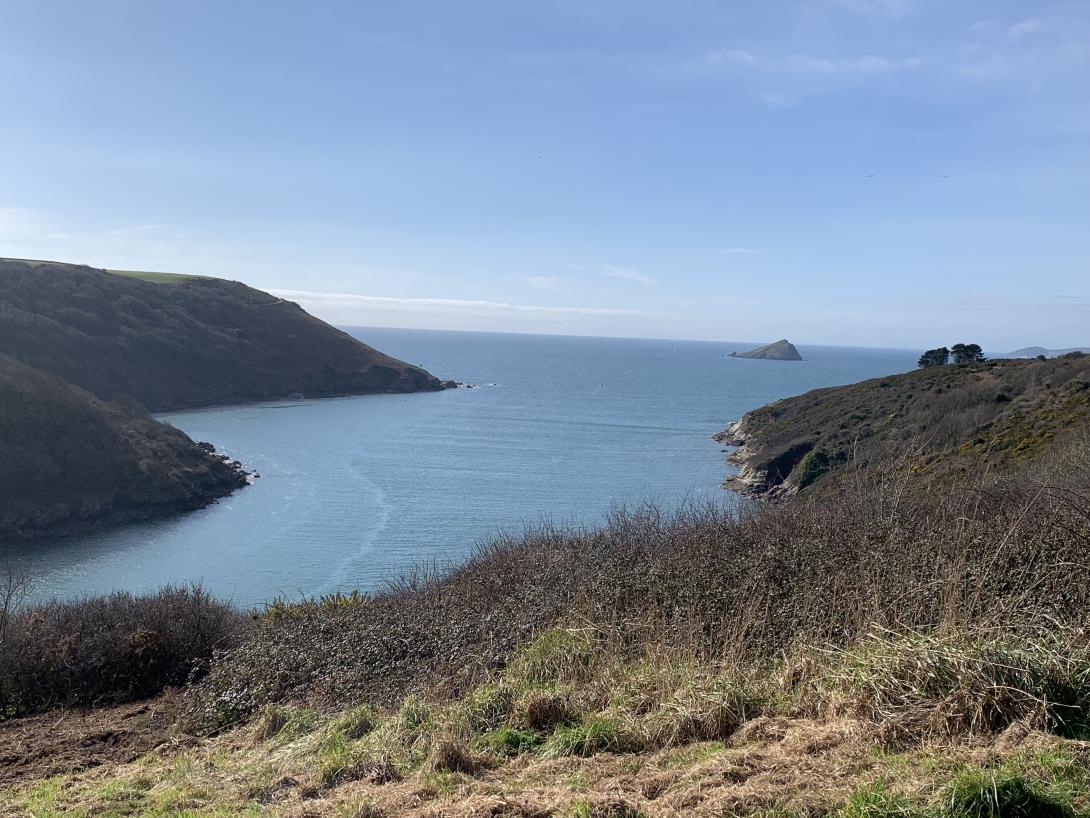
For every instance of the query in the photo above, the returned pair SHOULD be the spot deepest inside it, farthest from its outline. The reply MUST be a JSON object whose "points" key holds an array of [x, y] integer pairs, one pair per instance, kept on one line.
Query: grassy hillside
{"points": [[891, 649], [935, 421], [864, 657], [156, 278], [71, 462], [190, 342]]}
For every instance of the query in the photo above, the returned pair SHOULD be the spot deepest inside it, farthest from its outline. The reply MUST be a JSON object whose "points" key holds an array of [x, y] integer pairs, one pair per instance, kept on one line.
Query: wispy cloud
{"points": [[777, 102], [869, 64], [543, 282], [20, 222], [738, 56], [40, 234], [436, 305], [885, 8], [627, 274], [807, 63], [1024, 28]]}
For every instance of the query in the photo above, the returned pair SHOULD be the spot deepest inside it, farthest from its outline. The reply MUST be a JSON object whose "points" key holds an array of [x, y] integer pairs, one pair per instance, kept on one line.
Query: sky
{"points": [[888, 173]]}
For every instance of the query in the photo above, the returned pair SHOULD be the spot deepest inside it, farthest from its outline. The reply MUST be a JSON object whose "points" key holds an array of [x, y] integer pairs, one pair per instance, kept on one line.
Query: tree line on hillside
{"points": [[959, 353]]}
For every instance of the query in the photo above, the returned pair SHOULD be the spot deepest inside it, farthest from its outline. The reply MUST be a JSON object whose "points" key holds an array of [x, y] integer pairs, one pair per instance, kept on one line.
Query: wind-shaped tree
{"points": [[967, 353], [934, 357]]}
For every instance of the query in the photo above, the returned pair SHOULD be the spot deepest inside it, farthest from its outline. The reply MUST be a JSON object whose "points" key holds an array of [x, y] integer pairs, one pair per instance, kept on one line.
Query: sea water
{"points": [[354, 490]]}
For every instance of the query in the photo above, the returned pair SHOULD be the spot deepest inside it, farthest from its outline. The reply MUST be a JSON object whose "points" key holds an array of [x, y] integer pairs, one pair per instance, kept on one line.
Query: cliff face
{"points": [[182, 341], [72, 463], [932, 422], [782, 350]]}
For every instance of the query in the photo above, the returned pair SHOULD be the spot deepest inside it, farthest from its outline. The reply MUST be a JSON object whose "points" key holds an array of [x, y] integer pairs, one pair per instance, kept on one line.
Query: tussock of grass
{"points": [[603, 808], [544, 710], [557, 656], [509, 741], [356, 722], [677, 702], [284, 722], [944, 684], [597, 734], [449, 756], [1001, 793], [488, 707], [876, 801]]}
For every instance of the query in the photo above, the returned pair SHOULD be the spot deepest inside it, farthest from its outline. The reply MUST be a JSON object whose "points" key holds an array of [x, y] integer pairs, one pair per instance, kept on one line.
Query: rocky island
{"points": [[782, 350]]}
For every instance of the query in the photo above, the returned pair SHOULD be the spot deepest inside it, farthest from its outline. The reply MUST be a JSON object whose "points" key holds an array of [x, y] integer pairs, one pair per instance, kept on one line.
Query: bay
{"points": [[354, 490]]}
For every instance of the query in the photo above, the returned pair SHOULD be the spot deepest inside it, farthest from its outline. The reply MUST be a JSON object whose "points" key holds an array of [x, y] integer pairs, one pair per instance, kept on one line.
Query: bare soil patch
{"points": [[69, 740]]}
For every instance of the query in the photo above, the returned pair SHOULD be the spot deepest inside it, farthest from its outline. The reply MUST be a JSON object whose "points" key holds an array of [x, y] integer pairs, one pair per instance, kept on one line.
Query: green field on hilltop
{"points": [[156, 278]]}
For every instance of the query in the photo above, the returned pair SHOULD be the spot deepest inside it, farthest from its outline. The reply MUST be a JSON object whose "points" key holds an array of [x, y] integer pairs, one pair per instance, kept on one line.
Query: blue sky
{"points": [[867, 172]]}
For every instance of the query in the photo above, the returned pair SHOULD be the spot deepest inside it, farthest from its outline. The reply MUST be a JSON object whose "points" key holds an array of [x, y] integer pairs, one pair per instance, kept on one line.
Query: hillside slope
{"points": [[182, 341], [72, 463], [996, 414]]}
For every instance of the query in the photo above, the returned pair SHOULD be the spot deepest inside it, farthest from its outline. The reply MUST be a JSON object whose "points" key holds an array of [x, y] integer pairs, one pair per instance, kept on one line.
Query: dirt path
{"points": [[67, 741]]}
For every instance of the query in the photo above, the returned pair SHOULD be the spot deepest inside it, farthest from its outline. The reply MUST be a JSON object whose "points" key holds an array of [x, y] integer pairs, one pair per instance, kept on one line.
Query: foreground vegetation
{"points": [[953, 724], [899, 650]]}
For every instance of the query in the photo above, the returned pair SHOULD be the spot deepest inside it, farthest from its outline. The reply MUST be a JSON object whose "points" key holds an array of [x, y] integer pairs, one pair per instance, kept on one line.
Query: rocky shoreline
{"points": [[751, 481], [220, 477]]}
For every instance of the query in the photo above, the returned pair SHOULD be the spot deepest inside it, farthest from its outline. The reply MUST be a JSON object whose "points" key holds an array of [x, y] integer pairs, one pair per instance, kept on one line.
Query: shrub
{"points": [[814, 465], [111, 649]]}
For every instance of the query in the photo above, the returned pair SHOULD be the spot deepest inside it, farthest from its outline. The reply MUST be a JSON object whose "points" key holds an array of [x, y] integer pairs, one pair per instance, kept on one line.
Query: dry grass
{"points": [[657, 734], [785, 766], [897, 652], [715, 585]]}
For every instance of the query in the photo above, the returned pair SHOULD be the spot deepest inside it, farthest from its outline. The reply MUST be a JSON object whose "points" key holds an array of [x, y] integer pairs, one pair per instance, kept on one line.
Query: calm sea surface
{"points": [[354, 489]]}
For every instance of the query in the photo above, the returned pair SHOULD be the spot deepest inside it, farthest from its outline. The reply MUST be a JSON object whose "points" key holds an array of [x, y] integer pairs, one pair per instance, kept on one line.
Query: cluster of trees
{"points": [[960, 353]]}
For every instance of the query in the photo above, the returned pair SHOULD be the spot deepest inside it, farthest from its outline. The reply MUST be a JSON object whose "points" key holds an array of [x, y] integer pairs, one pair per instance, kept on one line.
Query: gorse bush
{"points": [[111, 649]]}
